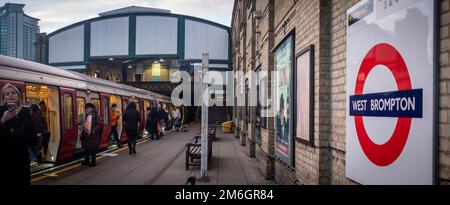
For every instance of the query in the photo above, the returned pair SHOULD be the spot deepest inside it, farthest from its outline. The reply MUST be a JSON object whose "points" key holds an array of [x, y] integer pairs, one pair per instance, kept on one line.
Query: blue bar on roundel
{"points": [[406, 103]]}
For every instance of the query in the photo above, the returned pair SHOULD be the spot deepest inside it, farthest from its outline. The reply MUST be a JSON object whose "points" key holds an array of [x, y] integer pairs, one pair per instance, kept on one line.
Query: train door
{"points": [[105, 113], [116, 100], [84, 97], [125, 101], [69, 125], [35, 94]]}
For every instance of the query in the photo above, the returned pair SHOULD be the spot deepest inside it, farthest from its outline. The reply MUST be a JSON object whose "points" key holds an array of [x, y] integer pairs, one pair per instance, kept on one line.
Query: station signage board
{"points": [[391, 85]]}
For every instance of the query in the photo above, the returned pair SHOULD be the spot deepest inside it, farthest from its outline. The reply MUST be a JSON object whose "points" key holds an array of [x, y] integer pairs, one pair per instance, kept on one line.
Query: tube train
{"points": [[65, 94]]}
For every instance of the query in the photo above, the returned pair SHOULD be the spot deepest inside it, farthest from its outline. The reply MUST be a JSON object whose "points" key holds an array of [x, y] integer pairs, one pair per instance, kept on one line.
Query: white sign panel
{"points": [[390, 92]]}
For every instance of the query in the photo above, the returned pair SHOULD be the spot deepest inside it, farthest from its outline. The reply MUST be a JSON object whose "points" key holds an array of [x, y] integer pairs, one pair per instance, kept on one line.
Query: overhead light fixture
{"points": [[130, 66]]}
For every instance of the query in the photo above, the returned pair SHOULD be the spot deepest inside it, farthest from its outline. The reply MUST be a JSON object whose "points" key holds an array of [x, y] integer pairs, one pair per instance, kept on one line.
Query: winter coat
{"points": [[131, 119], [16, 134], [38, 122], [91, 141], [152, 122], [161, 114]]}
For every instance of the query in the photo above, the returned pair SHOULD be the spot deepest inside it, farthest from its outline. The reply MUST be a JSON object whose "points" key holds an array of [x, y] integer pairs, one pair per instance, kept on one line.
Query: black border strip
{"points": [[436, 80]]}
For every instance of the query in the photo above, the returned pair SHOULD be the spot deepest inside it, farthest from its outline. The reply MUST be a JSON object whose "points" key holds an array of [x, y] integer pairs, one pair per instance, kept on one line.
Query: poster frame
{"points": [[290, 160], [308, 50]]}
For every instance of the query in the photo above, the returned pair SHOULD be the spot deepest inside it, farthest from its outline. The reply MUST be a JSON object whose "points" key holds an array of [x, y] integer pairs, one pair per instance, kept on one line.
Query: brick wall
{"points": [[264, 60], [338, 88]]}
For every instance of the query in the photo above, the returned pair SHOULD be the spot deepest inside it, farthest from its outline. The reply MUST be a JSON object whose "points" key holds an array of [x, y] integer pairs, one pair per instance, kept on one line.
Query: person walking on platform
{"points": [[161, 119], [176, 115], [17, 132], [115, 116], [152, 123], [90, 134], [132, 119]]}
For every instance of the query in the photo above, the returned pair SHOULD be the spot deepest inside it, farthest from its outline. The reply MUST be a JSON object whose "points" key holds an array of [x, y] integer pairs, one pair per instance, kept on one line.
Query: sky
{"points": [[56, 14]]}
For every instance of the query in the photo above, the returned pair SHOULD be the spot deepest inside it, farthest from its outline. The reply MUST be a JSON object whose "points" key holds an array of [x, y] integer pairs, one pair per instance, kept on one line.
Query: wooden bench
{"points": [[194, 151]]}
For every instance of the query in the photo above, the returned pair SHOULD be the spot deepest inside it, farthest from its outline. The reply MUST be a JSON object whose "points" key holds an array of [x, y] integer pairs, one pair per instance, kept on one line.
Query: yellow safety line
{"points": [[55, 173], [76, 165], [39, 178]]}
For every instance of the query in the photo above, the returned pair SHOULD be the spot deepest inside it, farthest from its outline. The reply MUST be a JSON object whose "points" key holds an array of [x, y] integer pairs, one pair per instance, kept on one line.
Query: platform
{"points": [[161, 162]]}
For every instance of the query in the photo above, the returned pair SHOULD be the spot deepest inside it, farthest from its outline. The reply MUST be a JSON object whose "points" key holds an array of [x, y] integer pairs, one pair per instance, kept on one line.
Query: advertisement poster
{"points": [[283, 100]]}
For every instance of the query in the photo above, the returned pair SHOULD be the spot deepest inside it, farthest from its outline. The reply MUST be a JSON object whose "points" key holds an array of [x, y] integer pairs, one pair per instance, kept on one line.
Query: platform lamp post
{"points": [[204, 125]]}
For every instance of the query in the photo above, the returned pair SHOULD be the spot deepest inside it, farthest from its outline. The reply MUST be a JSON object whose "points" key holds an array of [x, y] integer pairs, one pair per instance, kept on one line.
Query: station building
{"points": [[140, 46], [125, 44], [261, 28]]}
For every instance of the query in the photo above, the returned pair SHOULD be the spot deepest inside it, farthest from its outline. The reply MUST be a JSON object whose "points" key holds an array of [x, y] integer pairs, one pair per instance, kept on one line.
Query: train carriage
{"points": [[65, 94]]}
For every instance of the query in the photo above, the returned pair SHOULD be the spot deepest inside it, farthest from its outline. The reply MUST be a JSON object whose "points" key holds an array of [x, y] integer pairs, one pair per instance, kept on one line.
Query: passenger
{"points": [[36, 117], [152, 124], [131, 119], [115, 116], [17, 132], [177, 116], [46, 133], [147, 114], [161, 118], [147, 122], [90, 134], [168, 119]]}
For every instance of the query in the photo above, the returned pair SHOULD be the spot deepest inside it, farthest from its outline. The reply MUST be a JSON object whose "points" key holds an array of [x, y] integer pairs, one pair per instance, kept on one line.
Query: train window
{"points": [[68, 111], [106, 110], [81, 102], [96, 103], [114, 99]]}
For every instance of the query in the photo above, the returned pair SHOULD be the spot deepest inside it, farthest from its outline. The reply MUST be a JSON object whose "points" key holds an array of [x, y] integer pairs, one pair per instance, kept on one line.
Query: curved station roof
{"points": [[139, 33]]}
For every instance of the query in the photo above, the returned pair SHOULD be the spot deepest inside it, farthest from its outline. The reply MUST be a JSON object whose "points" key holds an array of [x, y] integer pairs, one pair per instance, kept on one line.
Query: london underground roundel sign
{"points": [[385, 54], [390, 92]]}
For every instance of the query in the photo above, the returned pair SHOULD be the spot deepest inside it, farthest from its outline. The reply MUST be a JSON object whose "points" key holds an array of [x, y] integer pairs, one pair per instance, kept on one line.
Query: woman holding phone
{"points": [[16, 133]]}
